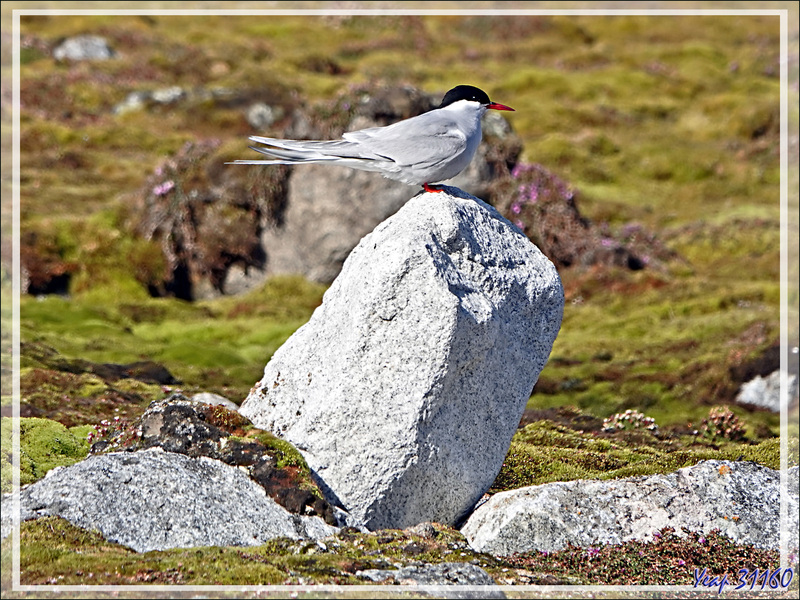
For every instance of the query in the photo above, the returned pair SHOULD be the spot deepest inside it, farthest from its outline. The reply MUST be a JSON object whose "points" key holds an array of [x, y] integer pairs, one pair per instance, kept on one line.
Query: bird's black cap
{"points": [[465, 92]]}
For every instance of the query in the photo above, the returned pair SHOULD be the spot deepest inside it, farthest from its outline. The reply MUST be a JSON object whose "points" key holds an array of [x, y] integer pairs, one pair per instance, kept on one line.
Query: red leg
{"points": [[433, 188]]}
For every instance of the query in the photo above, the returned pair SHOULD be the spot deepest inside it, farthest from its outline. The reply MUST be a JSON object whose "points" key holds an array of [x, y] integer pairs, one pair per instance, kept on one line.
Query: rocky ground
{"points": [[196, 473], [193, 496]]}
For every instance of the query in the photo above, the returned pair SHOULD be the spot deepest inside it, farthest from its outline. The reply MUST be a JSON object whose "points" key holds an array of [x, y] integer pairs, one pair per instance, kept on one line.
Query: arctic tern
{"points": [[423, 150]]}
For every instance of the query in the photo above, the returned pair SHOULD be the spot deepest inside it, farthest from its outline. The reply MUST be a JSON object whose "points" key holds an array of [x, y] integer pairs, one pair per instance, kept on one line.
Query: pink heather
{"points": [[164, 188]]}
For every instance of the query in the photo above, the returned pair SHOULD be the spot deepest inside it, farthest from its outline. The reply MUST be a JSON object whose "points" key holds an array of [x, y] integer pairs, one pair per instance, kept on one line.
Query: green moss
{"points": [[284, 297], [44, 445], [53, 549], [286, 454], [543, 452], [661, 342], [6, 468], [91, 385], [81, 432], [73, 391], [218, 346], [48, 390], [149, 392], [627, 110]]}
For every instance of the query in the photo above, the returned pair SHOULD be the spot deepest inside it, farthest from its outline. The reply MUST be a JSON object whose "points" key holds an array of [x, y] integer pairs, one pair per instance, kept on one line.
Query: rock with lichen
{"points": [[741, 499], [196, 429], [208, 459]]}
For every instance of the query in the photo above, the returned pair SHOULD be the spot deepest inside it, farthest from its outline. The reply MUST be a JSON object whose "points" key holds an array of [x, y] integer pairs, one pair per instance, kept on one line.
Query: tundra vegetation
{"points": [[664, 124]]}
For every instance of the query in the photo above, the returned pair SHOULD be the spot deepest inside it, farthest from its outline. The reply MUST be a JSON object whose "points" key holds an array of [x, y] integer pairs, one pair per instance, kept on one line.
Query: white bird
{"points": [[423, 150]]}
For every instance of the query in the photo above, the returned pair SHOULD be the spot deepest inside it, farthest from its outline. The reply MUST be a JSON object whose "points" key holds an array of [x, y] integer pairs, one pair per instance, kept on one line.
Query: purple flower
{"points": [[520, 168], [592, 552], [607, 242], [164, 188], [516, 208], [681, 562], [520, 225]]}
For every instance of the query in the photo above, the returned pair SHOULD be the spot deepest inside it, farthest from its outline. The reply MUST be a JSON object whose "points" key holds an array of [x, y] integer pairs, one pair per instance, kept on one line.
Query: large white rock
{"points": [[405, 387], [741, 499]]}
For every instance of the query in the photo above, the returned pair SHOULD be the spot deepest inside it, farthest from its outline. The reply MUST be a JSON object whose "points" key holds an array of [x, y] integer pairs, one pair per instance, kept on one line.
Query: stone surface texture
{"points": [[83, 47], [450, 573], [156, 500], [765, 392], [741, 499], [406, 385]]}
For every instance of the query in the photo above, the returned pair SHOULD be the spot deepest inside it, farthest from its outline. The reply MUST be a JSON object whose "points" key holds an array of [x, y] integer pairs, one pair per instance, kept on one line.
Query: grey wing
{"points": [[420, 141], [308, 150]]}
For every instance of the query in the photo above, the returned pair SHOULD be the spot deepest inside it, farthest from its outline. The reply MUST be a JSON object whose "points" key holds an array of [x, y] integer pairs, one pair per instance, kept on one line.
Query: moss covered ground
{"points": [[58, 553], [670, 123]]}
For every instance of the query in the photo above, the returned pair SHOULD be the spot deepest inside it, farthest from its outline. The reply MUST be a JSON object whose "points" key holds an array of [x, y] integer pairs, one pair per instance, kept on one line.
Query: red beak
{"points": [[497, 106]]}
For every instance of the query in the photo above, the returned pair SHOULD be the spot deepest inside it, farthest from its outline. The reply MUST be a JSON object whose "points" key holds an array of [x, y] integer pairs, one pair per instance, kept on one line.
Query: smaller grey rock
{"points": [[741, 499], [451, 573], [260, 115], [167, 95], [156, 500], [83, 47], [765, 392], [178, 424], [214, 400], [133, 101], [238, 280], [345, 519], [425, 530], [141, 99], [496, 125]]}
